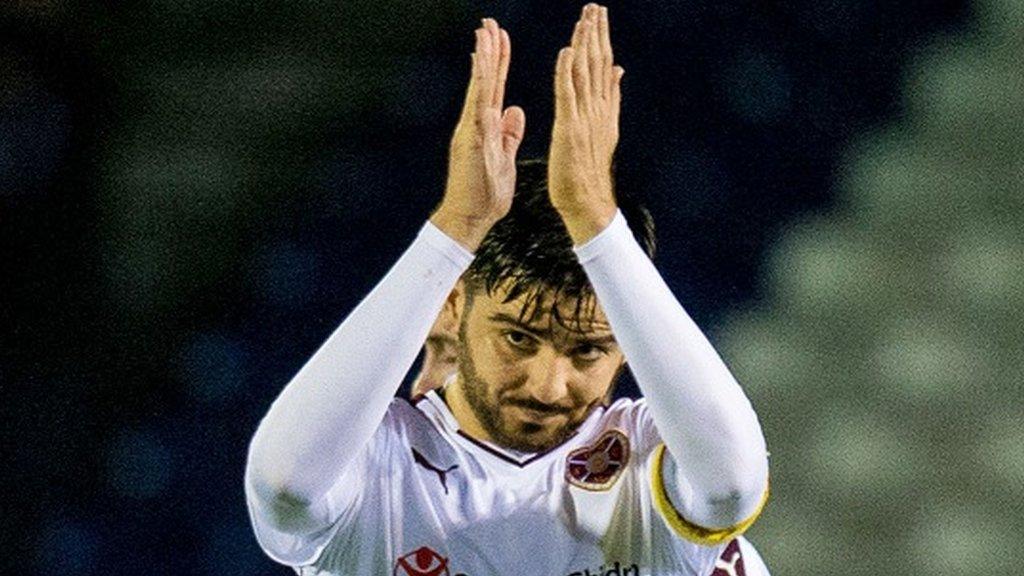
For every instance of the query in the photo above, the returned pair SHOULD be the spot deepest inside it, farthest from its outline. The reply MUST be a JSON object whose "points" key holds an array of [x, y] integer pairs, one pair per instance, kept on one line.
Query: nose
{"points": [[550, 375]]}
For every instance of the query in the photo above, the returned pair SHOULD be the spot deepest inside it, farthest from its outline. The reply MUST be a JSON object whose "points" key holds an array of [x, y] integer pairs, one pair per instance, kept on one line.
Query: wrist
{"points": [[586, 222], [468, 231]]}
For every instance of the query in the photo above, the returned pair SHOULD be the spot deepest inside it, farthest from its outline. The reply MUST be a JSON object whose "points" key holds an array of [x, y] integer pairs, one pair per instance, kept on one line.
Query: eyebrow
{"points": [[506, 319], [441, 339]]}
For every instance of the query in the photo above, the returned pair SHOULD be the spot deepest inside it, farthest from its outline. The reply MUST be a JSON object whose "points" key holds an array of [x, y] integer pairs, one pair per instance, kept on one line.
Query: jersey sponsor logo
{"points": [[422, 562], [597, 466], [731, 561], [617, 570], [442, 474]]}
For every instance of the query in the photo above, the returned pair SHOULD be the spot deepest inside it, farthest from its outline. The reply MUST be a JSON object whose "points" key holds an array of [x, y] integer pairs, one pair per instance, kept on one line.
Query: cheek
{"points": [[598, 378], [499, 354], [502, 367], [492, 360]]}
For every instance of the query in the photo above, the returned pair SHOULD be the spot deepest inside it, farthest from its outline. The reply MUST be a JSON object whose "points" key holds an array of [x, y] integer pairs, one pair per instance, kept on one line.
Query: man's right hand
{"points": [[482, 156]]}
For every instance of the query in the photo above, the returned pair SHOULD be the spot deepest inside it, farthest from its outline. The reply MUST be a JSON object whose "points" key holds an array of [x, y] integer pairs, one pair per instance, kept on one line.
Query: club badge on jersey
{"points": [[596, 467], [731, 561]]}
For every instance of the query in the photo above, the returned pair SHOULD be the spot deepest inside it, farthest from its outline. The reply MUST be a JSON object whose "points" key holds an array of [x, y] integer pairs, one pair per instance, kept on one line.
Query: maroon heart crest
{"points": [[731, 561], [599, 465]]}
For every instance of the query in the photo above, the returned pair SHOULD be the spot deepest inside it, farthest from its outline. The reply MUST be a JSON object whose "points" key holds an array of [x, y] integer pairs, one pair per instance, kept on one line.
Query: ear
{"points": [[451, 312]]}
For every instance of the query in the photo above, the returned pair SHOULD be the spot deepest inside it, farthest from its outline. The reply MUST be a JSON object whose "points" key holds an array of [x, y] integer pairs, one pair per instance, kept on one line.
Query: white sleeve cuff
{"points": [[616, 233], [445, 244]]}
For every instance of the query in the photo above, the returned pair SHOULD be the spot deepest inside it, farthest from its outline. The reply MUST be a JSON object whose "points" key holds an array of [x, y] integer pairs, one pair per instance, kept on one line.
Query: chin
{"points": [[534, 439]]}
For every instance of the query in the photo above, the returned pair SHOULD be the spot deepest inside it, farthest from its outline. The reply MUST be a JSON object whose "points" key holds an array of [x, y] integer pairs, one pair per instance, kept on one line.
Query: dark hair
{"points": [[529, 251]]}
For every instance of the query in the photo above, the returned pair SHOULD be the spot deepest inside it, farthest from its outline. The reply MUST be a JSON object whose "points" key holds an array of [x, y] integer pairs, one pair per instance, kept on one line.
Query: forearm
{"points": [[333, 405], [700, 411]]}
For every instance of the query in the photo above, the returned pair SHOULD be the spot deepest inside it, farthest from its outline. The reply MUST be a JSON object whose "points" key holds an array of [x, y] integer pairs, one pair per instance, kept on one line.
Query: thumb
{"points": [[513, 126]]}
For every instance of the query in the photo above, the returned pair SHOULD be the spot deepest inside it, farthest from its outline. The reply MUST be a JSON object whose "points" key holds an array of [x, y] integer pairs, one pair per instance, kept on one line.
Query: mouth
{"points": [[536, 413]]}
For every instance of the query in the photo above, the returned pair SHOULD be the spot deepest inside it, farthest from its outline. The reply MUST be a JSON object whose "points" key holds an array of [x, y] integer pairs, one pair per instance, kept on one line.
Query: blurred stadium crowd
{"points": [[193, 194]]}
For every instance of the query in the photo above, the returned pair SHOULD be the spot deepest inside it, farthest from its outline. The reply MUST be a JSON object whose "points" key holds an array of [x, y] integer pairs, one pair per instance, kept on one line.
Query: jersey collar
{"points": [[435, 407]]}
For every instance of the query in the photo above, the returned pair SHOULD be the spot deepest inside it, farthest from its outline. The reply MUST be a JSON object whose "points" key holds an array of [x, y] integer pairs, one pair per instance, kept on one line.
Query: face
{"points": [[531, 383], [441, 356]]}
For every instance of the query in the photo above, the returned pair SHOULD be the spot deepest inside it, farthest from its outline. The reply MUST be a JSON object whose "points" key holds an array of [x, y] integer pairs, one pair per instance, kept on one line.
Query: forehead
{"points": [[577, 315]]}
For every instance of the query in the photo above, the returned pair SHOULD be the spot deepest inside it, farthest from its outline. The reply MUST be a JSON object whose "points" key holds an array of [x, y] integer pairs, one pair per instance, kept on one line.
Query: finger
{"points": [[577, 34], [469, 106], [494, 42], [580, 70], [594, 55], [606, 53], [513, 126], [503, 60], [585, 11], [485, 88], [581, 27], [565, 95]]}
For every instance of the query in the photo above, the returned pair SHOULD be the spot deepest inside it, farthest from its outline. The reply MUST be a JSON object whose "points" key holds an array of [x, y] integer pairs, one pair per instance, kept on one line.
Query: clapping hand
{"points": [[586, 127], [482, 155]]}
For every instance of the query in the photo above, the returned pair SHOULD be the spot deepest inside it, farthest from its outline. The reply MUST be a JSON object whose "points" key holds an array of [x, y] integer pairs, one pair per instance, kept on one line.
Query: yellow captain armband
{"points": [[682, 526]]}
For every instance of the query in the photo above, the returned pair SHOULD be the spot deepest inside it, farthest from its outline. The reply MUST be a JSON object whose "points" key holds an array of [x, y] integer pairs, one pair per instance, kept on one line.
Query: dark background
{"points": [[193, 194]]}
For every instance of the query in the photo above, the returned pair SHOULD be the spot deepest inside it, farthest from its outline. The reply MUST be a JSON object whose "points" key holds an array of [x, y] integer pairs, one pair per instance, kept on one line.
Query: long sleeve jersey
{"points": [[342, 478]]}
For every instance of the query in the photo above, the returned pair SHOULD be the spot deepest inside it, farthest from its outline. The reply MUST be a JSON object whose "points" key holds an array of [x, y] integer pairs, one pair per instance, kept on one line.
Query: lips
{"points": [[536, 415], [534, 411]]}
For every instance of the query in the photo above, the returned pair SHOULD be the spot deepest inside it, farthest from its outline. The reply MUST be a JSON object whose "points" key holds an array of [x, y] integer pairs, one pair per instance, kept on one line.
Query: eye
{"points": [[519, 340], [589, 352]]}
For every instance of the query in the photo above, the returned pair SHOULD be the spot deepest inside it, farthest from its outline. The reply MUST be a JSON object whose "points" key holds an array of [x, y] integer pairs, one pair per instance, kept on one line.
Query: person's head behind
{"points": [[536, 352]]}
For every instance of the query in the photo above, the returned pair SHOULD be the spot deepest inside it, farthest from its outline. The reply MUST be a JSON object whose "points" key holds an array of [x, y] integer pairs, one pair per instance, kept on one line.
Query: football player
{"points": [[517, 465], [440, 361]]}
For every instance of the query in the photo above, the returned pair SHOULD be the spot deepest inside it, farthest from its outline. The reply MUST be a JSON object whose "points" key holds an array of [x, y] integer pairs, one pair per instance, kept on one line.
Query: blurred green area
{"points": [[887, 357]]}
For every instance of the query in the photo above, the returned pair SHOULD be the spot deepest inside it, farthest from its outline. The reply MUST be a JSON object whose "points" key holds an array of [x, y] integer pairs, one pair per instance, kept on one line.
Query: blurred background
{"points": [[193, 194]]}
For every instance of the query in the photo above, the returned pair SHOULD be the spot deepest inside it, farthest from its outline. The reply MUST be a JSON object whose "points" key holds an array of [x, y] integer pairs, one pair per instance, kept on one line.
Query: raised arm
{"points": [[717, 470], [331, 408]]}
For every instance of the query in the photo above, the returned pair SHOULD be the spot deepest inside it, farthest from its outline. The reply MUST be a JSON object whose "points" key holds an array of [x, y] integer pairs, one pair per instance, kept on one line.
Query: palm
{"points": [[499, 166], [481, 179]]}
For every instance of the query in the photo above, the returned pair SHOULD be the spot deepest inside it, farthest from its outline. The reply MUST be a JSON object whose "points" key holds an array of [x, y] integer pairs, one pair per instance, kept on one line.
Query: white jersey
{"points": [[424, 499]]}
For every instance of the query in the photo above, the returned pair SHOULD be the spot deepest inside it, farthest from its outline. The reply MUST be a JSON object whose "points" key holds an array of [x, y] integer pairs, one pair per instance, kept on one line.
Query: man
{"points": [[518, 467], [440, 363]]}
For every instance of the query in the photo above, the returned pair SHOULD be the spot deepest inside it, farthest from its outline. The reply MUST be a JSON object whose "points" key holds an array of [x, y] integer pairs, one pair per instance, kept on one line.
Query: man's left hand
{"points": [[586, 128]]}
